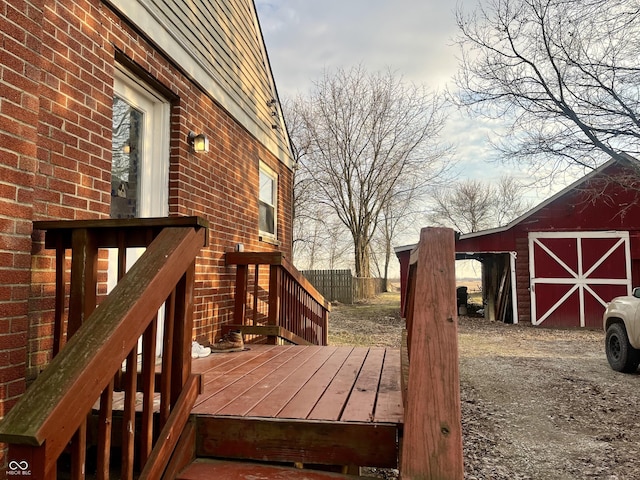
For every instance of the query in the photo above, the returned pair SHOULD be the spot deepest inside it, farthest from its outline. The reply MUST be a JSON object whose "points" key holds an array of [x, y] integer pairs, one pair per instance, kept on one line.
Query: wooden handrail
{"points": [[277, 258], [108, 231], [432, 437], [296, 311], [56, 405]]}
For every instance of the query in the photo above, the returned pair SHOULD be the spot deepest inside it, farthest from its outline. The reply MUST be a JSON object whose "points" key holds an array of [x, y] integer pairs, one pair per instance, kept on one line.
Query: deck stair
{"points": [[301, 405], [244, 415], [228, 470], [424, 376], [203, 469]]}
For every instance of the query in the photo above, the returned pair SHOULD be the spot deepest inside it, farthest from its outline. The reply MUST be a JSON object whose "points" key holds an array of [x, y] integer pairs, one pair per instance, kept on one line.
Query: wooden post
{"points": [[167, 359], [105, 420], [432, 443], [58, 327], [148, 388], [241, 294], [182, 331], [325, 327], [275, 298], [84, 274], [26, 461]]}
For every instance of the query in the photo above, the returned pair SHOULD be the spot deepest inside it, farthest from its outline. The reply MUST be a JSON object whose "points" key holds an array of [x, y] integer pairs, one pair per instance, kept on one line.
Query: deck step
{"points": [[203, 469], [297, 441]]}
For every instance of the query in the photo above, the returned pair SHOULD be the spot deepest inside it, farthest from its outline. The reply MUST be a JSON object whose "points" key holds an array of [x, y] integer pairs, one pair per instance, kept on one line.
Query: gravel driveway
{"points": [[544, 404], [536, 403]]}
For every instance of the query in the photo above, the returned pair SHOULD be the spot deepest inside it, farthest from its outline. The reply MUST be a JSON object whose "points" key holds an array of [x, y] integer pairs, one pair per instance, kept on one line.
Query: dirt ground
{"points": [[536, 403]]}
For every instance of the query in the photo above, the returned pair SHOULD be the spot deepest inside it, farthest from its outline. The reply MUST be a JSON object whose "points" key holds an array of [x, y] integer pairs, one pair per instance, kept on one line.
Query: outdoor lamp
{"points": [[199, 143]]}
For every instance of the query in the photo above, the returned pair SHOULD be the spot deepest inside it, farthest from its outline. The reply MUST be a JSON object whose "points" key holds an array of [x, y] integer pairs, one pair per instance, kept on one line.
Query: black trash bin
{"points": [[462, 295], [463, 298]]}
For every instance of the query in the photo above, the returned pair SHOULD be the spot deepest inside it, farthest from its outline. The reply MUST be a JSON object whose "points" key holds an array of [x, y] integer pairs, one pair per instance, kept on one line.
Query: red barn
{"points": [[560, 263]]}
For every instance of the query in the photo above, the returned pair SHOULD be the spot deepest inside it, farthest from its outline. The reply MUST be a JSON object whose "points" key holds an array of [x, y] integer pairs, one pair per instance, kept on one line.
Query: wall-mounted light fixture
{"points": [[199, 143]]}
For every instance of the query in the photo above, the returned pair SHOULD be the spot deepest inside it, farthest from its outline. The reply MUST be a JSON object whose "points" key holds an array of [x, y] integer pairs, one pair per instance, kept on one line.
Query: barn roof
{"points": [[470, 242], [575, 185]]}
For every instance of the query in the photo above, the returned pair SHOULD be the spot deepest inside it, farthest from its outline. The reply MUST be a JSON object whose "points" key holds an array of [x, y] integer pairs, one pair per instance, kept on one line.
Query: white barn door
{"points": [[574, 274]]}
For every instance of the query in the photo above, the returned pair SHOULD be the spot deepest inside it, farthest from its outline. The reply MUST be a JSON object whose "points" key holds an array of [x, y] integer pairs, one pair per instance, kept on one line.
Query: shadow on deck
{"points": [[301, 404]]}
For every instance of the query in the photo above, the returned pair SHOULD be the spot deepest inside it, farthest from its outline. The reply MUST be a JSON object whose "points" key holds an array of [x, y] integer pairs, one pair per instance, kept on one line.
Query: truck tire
{"points": [[621, 355]]}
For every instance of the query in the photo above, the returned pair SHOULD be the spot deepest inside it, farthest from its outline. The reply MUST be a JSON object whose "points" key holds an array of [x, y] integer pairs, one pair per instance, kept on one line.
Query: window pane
{"points": [[126, 157], [267, 221], [266, 188]]}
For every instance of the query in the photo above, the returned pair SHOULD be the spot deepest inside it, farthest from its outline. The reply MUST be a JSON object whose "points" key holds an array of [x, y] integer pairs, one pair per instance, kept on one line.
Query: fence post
{"points": [[432, 443]]}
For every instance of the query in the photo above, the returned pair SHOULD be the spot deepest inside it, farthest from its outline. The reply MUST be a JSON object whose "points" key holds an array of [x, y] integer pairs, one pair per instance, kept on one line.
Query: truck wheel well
{"points": [[612, 320]]}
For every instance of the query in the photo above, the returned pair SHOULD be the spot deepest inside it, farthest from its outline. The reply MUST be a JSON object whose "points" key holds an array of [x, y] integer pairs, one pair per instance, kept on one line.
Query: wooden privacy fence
{"points": [[341, 286]]}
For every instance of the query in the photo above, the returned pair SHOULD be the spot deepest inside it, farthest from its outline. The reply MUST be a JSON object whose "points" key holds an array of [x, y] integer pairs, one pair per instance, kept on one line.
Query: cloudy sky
{"points": [[412, 37]]}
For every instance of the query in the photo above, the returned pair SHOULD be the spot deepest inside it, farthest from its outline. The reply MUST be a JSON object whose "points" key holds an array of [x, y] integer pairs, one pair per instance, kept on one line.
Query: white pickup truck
{"points": [[621, 322]]}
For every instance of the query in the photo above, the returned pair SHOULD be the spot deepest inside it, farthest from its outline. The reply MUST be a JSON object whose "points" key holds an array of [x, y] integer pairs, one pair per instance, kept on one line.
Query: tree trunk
{"points": [[361, 254], [387, 260]]}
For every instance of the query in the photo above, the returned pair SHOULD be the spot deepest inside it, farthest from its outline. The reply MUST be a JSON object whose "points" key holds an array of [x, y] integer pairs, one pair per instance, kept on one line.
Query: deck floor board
{"points": [[219, 377], [389, 402], [360, 405], [275, 375], [331, 404], [303, 382], [277, 400], [305, 399]]}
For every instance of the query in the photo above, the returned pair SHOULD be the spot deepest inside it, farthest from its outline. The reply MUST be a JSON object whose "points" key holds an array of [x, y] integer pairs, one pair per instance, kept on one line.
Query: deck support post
{"points": [[432, 443], [239, 311], [275, 290]]}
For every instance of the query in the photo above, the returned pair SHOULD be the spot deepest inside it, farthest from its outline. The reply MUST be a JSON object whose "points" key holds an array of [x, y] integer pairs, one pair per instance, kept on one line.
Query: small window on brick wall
{"points": [[268, 202]]}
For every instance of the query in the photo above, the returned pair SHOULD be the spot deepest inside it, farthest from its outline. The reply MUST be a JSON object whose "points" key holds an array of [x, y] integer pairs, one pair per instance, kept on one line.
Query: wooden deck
{"points": [[303, 404]]}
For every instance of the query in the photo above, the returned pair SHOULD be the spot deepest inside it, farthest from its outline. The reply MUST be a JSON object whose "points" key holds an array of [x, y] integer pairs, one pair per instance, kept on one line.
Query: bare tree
{"points": [[563, 74], [396, 216], [321, 242], [364, 136], [473, 205], [509, 201]]}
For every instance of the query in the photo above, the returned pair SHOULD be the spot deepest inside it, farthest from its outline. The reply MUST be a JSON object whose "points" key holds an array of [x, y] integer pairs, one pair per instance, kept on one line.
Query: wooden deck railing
{"points": [[52, 417], [290, 309], [432, 437]]}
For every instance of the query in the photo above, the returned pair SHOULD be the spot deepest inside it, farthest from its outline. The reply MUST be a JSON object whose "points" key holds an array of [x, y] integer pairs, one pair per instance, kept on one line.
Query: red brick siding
{"points": [[55, 141], [19, 83]]}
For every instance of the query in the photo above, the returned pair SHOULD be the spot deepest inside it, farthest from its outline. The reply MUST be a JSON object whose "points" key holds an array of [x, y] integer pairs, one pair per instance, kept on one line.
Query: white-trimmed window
{"points": [[268, 202]]}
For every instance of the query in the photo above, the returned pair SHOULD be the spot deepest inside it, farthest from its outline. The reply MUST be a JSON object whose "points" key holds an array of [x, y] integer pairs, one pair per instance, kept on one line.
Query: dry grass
{"points": [[375, 322]]}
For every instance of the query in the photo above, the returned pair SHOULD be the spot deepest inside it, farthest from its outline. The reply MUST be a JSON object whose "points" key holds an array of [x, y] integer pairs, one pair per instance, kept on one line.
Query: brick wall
{"points": [[19, 84], [57, 71]]}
